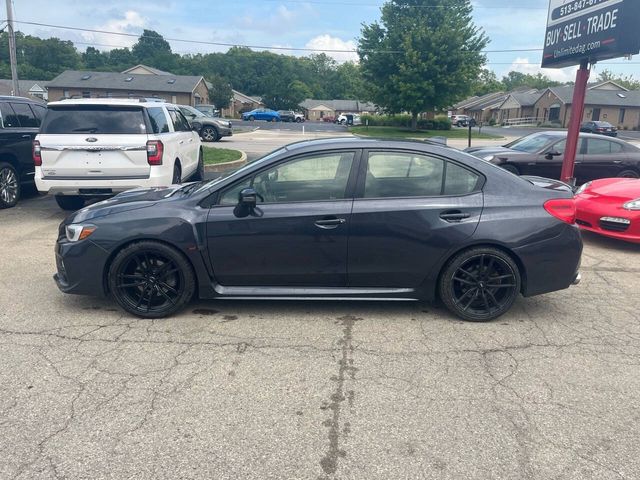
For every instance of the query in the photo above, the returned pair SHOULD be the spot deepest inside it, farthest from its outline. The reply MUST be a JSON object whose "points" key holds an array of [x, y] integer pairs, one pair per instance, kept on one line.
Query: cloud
{"points": [[132, 22], [524, 65], [327, 42]]}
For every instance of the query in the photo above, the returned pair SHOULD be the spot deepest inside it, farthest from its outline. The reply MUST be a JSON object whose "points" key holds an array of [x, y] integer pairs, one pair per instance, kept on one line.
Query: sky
{"points": [[280, 25]]}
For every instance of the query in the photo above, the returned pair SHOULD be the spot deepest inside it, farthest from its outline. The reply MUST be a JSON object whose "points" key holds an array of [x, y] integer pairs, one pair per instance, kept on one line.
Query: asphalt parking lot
{"points": [[301, 390]]}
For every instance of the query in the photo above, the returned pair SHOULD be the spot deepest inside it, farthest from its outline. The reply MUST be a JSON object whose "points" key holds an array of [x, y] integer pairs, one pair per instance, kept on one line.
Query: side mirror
{"points": [[248, 197], [552, 153]]}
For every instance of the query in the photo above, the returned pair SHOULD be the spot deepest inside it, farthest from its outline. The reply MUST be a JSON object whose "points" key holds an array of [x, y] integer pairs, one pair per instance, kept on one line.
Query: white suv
{"points": [[99, 147]]}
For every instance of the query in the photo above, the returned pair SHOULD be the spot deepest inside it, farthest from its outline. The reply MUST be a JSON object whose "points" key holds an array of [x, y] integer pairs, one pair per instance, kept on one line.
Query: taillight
{"points": [[562, 208], [37, 153], [155, 148]]}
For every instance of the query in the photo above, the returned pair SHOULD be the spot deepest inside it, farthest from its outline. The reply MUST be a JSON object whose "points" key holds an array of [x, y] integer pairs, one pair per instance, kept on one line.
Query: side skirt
{"points": [[316, 293]]}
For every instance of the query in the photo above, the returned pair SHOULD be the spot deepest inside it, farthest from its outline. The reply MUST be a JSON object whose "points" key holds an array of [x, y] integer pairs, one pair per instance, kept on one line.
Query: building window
{"points": [[623, 111], [86, 94]]}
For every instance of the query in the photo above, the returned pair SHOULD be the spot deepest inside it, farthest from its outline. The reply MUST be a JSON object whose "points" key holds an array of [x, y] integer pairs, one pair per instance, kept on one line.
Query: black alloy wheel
{"points": [[151, 280], [9, 186], [177, 175], [210, 134], [480, 284], [628, 174]]}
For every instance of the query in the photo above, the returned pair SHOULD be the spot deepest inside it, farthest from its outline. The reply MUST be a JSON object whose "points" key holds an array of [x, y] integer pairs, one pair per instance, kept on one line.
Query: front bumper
{"points": [[225, 131], [591, 216], [80, 267]]}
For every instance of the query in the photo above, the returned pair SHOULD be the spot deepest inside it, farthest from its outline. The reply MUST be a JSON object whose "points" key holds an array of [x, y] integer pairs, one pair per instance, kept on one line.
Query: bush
{"points": [[440, 122], [492, 122]]}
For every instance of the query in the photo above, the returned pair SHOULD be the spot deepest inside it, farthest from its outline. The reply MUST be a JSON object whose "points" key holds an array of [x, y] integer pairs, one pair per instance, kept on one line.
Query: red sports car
{"points": [[611, 207]]}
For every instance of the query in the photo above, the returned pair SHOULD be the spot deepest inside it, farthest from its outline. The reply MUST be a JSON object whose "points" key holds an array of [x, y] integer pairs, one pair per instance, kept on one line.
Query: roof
{"points": [[241, 97], [341, 105], [6, 86], [120, 81], [611, 98], [151, 70], [475, 100], [109, 101], [490, 102]]}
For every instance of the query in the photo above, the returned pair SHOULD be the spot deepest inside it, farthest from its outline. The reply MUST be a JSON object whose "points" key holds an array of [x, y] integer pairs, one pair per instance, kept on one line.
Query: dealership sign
{"points": [[590, 29]]}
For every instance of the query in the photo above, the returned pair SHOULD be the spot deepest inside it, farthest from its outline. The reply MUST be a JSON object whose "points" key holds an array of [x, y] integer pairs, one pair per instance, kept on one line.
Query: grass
{"points": [[396, 132], [214, 155]]}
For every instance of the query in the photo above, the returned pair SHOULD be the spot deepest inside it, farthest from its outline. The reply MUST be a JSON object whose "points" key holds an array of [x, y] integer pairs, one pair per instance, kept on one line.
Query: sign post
{"points": [[583, 32]]}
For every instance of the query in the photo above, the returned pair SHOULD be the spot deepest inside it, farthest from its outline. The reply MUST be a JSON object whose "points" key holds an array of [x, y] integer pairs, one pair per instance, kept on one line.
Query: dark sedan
{"points": [[599, 128], [335, 218], [542, 154]]}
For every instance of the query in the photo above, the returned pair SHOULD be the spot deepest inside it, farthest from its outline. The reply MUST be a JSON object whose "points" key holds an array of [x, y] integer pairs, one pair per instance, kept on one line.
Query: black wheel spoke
{"points": [[486, 302], [500, 277], [166, 274], [131, 285], [462, 280], [487, 270], [469, 274], [144, 291], [501, 285], [169, 287], [164, 294], [475, 295], [492, 297]]}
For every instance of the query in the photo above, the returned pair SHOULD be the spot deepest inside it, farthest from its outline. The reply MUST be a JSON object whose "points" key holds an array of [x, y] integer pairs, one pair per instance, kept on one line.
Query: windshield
{"points": [[602, 124], [531, 143], [103, 119], [242, 169]]}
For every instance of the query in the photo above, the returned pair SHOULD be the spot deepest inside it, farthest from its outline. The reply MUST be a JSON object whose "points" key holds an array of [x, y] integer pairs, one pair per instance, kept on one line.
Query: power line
{"points": [[356, 4]]}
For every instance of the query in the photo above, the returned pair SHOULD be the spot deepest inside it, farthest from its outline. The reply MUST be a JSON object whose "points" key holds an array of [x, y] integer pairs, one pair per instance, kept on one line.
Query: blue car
{"points": [[261, 114]]}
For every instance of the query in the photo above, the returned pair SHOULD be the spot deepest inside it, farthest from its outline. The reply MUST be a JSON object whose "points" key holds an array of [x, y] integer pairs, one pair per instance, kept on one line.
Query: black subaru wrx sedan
{"points": [[341, 218]]}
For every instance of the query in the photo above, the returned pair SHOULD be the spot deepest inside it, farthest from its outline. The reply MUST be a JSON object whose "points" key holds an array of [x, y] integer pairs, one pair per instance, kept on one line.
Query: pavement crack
{"points": [[346, 371]]}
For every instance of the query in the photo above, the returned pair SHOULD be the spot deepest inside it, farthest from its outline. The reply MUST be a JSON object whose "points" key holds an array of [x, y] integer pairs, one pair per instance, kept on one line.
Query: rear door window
{"points": [[179, 122], [39, 112], [25, 115], [597, 146], [9, 117], [158, 120], [98, 119]]}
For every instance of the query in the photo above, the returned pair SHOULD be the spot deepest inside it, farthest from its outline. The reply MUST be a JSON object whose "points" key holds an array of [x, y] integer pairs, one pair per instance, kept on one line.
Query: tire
{"points": [[209, 134], [628, 174], [151, 280], [177, 175], [198, 175], [511, 168], [251, 118], [10, 188], [298, 120], [70, 203], [479, 284]]}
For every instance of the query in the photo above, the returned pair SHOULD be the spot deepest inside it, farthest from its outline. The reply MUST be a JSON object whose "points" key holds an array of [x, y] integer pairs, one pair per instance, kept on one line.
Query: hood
{"points": [[125, 201], [621, 188]]}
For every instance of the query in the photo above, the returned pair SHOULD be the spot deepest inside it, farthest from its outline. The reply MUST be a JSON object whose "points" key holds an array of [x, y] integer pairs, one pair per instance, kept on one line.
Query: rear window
{"points": [[99, 119]]}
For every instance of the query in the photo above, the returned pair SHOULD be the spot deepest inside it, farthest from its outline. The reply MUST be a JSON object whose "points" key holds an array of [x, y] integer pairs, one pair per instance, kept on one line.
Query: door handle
{"points": [[330, 223], [454, 216], [26, 136], [181, 142], [191, 140]]}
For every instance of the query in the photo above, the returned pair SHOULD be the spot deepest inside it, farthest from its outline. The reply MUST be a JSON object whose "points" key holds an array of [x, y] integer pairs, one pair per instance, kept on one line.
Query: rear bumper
{"points": [[108, 186]]}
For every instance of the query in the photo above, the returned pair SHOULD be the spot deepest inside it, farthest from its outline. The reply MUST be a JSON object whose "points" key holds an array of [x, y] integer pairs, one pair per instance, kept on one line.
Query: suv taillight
{"points": [[37, 153], [155, 148], [563, 209]]}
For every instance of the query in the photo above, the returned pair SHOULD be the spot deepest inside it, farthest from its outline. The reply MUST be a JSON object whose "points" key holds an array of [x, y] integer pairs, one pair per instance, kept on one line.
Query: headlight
{"points": [[583, 187], [76, 233], [632, 205], [488, 158], [224, 123]]}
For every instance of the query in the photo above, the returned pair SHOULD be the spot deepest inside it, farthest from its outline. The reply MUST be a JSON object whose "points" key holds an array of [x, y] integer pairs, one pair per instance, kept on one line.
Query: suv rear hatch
{"points": [[94, 141]]}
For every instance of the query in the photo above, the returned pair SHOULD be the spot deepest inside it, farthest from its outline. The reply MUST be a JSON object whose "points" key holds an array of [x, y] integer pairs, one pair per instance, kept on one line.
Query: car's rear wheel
{"points": [[199, 173], [209, 134], [511, 168], [70, 202], [628, 174], [251, 118], [151, 280], [480, 284], [177, 175], [9, 186]]}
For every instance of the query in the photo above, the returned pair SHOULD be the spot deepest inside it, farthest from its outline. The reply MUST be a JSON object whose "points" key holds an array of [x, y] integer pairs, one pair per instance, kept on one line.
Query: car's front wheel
{"points": [[9, 186], [209, 134], [251, 118], [70, 202], [151, 280], [480, 284]]}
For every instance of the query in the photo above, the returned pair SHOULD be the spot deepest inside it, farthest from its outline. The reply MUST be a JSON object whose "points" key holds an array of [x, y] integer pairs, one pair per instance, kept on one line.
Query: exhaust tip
{"points": [[577, 280]]}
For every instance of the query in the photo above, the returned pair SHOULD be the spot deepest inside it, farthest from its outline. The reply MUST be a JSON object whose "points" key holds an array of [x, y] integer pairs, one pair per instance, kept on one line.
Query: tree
{"points": [[514, 80], [220, 93], [627, 81], [423, 55], [487, 82]]}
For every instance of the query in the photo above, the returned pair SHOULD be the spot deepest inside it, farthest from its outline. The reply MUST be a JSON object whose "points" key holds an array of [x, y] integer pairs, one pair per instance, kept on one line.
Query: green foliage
{"points": [[440, 122], [220, 92], [626, 81], [421, 59], [514, 80], [38, 59], [487, 82]]}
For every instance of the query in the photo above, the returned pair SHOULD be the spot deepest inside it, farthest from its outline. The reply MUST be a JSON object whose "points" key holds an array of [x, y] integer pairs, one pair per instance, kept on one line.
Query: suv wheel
{"points": [[70, 202], [177, 175], [151, 279], [210, 134], [199, 173], [9, 186]]}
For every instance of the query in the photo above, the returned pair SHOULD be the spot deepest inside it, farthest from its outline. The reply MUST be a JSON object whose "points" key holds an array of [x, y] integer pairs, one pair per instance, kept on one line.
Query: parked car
{"points": [[90, 148], [601, 128], [542, 154], [462, 121], [299, 117], [19, 122], [610, 207], [329, 119], [261, 114], [211, 129], [287, 115], [348, 119], [208, 110], [318, 219]]}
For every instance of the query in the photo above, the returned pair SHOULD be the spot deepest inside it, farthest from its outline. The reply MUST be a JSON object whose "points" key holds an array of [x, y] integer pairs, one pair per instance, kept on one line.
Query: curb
{"points": [[221, 167]]}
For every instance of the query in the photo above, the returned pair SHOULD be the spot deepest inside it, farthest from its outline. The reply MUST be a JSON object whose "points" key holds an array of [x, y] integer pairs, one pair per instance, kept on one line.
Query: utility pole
{"points": [[12, 48]]}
